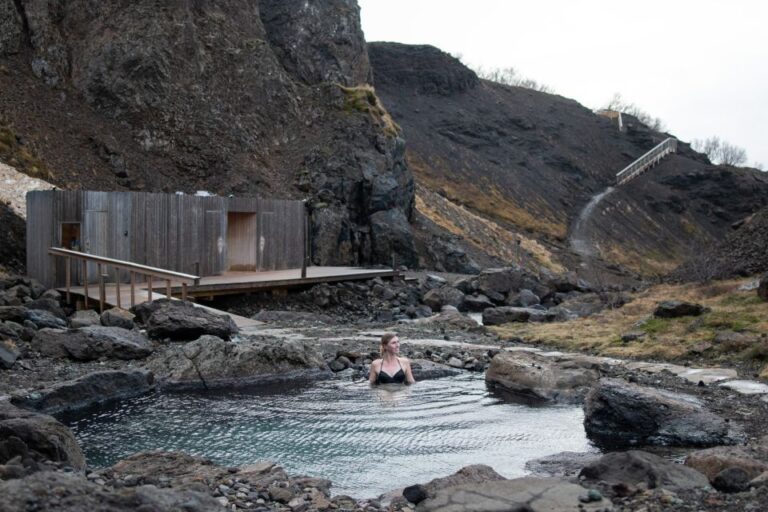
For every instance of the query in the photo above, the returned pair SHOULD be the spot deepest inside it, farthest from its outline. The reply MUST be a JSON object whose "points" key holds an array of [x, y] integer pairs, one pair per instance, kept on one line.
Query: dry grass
{"points": [[19, 156], [363, 98], [487, 200], [485, 234], [669, 339]]}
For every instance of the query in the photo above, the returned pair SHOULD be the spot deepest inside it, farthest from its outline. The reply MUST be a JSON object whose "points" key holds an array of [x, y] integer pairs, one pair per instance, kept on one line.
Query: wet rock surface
{"points": [[619, 413], [541, 378], [212, 362]]}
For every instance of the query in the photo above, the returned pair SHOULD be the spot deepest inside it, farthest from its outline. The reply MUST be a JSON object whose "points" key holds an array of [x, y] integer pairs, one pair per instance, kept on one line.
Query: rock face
{"points": [[181, 321], [247, 98], [636, 467], [36, 437], [91, 389], [212, 362], [618, 413], [71, 493], [91, 343], [532, 376], [676, 308]]}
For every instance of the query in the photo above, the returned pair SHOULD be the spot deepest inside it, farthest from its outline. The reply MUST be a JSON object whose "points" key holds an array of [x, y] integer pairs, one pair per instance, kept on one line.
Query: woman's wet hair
{"points": [[385, 339]]}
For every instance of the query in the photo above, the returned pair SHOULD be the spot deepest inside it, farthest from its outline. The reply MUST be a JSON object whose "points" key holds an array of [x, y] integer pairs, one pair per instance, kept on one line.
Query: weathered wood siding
{"points": [[176, 232]]}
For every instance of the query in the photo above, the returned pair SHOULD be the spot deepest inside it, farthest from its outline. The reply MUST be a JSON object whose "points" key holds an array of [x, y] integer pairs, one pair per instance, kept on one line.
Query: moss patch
{"points": [[363, 99]]}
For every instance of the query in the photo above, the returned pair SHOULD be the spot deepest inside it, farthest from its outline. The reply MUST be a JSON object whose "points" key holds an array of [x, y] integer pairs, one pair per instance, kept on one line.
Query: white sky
{"points": [[701, 66]]}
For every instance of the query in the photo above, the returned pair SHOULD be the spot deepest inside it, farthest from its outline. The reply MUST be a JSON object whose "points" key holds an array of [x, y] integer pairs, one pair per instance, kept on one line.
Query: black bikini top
{"points": [[385, 378]]}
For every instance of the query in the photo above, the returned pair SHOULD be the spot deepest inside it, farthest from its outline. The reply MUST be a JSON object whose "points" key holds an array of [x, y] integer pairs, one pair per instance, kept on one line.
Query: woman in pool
{"points": [[391, 368]]}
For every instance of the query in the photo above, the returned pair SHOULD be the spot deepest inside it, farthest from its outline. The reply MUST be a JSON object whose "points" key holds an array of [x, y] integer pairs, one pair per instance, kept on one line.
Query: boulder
{"points": [[444, 296], [676, 309], [391, 234], [66, 492], [84, 318], [180, 321], [474, 474], [713, 461], [211, 362], [13, 314], [635, 467], [47, 304], [528, 375], [424, 369], [762, 288], [292, 317], [568, 282], [477, 302], [38, 437], [118, 317], [45, 319], [16, 331], [524, 298], [733, 479], [91, 343], [91, 389], [500, 280], [509, 314], [618, 413], [9, 353], [529, 494]]}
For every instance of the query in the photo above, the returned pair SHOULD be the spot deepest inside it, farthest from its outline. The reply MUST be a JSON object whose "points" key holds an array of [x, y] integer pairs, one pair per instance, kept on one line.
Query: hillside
{"points": [[530, 161], [268, 98]]}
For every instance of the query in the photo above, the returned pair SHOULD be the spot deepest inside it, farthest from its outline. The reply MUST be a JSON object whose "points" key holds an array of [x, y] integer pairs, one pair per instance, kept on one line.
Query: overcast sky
{"points": [[701, 66]]}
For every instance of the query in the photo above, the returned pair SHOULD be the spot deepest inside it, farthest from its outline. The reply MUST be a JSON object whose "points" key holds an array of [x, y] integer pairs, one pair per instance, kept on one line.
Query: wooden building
{"points": [[199, 235]]}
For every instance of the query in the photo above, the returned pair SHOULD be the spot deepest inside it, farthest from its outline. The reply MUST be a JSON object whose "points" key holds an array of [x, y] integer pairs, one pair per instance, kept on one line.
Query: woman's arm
{"points": [[408, 373], [374, 374]]}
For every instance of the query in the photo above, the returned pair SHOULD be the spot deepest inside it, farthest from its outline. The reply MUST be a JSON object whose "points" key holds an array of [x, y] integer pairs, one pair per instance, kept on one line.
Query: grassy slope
{"points": [[686, 339]]}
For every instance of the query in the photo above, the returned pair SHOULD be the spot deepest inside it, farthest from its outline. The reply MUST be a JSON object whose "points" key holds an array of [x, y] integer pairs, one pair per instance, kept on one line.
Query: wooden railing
{"points": [[646, 161], [134, 269]]}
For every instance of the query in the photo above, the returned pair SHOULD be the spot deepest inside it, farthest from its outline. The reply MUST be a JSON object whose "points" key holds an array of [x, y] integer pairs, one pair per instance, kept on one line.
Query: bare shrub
{"points": [[510, 76], [720, 151]]}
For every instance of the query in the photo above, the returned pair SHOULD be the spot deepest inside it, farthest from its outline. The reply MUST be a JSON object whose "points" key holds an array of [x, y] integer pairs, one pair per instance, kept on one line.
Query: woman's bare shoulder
{"points": [[404, 360]]}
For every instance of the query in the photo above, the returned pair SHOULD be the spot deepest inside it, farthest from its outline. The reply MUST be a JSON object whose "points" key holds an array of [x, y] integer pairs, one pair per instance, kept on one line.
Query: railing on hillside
{"points": [[646, 161], [133, 269]]}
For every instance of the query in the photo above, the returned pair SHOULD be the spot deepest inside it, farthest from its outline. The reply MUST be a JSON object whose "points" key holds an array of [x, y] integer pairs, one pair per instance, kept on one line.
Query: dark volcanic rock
{"points": [[444, 296], [561, 464], [507, 314], [91, 389], [92, 342], [713, 461], [182, 321], [637, 467], [391, 235], [731, 480], [72, 493], [117, 317], [676, 308], [477, 302], [45, 319], [11, 29], [619, 413], [38, 436], [301, 40]]}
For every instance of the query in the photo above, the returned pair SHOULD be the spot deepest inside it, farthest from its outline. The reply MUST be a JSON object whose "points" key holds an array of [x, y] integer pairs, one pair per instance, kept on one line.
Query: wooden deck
{"points": [[227, 284]]}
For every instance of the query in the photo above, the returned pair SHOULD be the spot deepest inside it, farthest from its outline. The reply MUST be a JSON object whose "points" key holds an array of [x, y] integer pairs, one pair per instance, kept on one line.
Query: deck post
{"points": [[184, 292], [133, 288], [85, 281], [69, 279], [117, 288], [305, 229], [102, 290], [168, 289], [149, 288]]}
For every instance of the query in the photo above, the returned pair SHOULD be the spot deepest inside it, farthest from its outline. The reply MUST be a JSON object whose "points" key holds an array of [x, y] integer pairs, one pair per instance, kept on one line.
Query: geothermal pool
{"points": [[365, 440]]}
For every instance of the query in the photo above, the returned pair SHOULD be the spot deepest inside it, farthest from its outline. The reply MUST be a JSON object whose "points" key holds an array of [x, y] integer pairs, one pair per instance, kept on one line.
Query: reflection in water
{"points": [[366, 440], [391, 395]]}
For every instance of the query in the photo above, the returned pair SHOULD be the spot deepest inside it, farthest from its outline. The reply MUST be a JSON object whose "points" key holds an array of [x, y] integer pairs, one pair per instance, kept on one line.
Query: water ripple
{"points": [[347, 431]]}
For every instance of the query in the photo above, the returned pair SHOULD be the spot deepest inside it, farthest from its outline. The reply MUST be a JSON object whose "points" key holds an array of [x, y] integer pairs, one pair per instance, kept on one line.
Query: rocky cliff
{"points": [[528, 162], [236, 97]]}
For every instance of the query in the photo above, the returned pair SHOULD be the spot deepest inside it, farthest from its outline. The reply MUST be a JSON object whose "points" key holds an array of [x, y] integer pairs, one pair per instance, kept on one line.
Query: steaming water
{"points": [[580, 242], [365, 440]]}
